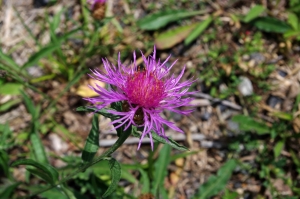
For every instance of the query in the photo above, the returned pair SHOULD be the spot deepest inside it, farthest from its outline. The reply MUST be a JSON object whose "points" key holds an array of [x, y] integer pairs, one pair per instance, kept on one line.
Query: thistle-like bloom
{"points": [[144, 92]]}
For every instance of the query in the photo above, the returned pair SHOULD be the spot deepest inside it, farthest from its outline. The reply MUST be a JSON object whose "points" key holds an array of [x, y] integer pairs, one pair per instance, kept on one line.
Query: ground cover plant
{"points": [[206, 107]]}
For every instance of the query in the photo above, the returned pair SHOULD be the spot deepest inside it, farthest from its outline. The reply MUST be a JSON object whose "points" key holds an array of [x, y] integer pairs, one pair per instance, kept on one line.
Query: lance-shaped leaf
{"points": [[92, 142], [217, 183], [172, 37], [254, 13], [270, 24], [95, 110], [44, 171], [198, 30], [247, 123], [115, 169], [161, 170], [160, 19]]}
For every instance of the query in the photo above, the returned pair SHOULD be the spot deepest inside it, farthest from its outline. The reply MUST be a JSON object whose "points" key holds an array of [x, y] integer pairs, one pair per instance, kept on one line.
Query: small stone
{"points": [[282, 73], [245, 87], [272, 101], [257, 57], [205, 116]]}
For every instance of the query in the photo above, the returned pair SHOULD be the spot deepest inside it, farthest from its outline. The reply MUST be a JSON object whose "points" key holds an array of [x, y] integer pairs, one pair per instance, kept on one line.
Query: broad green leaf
{"points": [[92, 142], [95, 110], [198, 30], [11, 89], [9, 104], [48, 170], [172, 37], [254, 13], [161, 169], [292, 34], [293, 20], [8, 61], [269, 24], [160, 19], [4, 163], [115, 169], [278, 148], [247, 123], [9, 190], [217, 183], [40, 54], [145, 181]]}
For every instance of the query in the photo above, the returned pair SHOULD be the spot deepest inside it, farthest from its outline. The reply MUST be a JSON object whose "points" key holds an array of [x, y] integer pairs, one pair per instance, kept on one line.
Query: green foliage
{"points": [[269, 24], [255, 12], [92, 142], [198, 30], [217, 183], [160, 19], [115, 169], [247, 123], [44, 171]]}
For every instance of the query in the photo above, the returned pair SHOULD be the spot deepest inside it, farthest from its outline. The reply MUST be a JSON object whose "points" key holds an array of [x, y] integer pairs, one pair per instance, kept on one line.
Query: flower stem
{"points": [[107, 153]]}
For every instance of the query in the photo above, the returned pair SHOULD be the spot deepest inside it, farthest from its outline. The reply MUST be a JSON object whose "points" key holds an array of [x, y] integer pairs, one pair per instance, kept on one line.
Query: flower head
{"points": [[145, 92]]}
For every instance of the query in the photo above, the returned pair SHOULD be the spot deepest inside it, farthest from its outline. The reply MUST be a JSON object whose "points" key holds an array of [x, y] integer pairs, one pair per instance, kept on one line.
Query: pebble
{"points": [[245, 87], [273, 101]]}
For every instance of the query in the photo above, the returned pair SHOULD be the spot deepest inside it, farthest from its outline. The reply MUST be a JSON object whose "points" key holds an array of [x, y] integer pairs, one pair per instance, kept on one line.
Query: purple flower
{"points": [[144, 92]]}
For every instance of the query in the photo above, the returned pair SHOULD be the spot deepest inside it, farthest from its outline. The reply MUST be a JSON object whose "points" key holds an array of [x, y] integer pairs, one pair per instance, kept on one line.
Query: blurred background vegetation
{"points": [[243, 136]]}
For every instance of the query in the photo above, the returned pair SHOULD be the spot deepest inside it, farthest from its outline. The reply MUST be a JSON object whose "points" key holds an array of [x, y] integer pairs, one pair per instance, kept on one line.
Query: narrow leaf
{"points": [[8, 61], [249, 124], [95, 110], [161, 168], [217, 183], [198, 30], [115, 169], [92, 143], [45, 168], [269, 24], [40, 54], [172, 37], [170, 142], [254, 13], [145, 181], [160, 19], [38, 147], [293, 20], [278, 148], [4, 163], [7, 192]]}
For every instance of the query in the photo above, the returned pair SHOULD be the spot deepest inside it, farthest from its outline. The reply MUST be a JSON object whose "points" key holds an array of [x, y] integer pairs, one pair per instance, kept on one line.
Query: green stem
{"points": [[107, 153]]}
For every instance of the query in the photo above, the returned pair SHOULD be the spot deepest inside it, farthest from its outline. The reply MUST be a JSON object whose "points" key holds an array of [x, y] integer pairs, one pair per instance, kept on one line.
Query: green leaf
{"points": [[172, 37], [198, 30], [7, 192], [95, 110], [161, 169], [9, 104], [217, 183], [38, 148], [92, 142], [40, 174], [230, 195], [254, 13], [29, 105], [247, 123], [283, 115], [8, 61], [269, 24], [293, 20], [4, 163], [145, 181], [278, 148], [115, 169], [40, 54], [160, 19], [170, 142], [47, 170], [11, 89]]}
